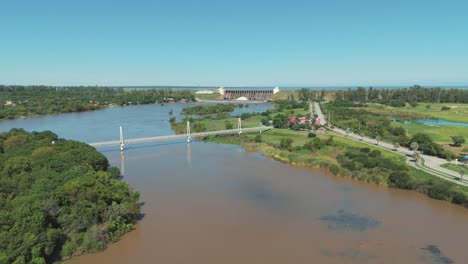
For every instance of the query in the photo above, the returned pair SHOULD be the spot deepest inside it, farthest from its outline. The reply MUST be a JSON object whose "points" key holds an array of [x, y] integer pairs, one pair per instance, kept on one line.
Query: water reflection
{"points": [[189, 154], [122, 163]]}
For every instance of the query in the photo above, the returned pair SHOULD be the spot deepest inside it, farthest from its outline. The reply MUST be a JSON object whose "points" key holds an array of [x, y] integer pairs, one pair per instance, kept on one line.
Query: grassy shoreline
{"points": [[327, 158]]}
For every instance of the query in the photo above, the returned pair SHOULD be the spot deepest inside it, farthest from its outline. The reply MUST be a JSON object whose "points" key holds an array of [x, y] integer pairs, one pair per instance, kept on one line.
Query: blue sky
{"points": [[234, 43]]}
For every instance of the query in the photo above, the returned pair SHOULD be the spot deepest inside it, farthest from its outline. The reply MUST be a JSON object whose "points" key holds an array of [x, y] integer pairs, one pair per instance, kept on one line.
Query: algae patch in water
{"points": [[436, 256], [349, 221]]}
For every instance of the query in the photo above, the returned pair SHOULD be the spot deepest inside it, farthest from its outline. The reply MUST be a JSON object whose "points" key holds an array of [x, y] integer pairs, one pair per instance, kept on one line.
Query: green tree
{"points": [[458, 140], [414, 146], [377, 139]]}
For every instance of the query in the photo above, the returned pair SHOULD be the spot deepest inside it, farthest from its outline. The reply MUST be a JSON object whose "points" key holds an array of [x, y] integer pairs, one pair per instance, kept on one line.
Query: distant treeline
{"points": [[26, 101], [413, 94]]}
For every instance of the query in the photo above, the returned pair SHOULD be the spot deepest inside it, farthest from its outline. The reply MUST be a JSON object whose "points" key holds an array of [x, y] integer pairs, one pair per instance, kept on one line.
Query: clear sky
{"points": [[234, 43]]}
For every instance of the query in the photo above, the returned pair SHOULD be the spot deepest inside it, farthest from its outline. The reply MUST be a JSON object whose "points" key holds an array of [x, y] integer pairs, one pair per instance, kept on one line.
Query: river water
{"points": [[211, 203]]}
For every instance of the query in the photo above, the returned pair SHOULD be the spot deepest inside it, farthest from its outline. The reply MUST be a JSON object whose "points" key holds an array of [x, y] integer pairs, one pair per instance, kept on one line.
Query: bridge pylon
{"points": [[239, 125], [188, 132], [121, 139]]}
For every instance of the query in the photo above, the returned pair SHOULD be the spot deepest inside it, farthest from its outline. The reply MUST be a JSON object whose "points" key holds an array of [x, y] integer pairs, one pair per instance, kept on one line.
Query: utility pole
{"points": [[239, 125]]}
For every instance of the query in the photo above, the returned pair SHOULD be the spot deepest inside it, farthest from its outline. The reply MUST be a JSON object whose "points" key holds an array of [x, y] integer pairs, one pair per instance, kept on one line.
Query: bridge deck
{"points": [[181, 136]]}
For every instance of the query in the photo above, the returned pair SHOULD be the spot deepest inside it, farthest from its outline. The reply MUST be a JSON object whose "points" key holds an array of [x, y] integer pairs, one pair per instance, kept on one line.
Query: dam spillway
{"points": [[247, 94]]}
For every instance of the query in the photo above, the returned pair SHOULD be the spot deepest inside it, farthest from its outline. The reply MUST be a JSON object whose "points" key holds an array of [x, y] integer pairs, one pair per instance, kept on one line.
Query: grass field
{"points": [[440, 134], [456, 168], [212, 96], [457, 112]]}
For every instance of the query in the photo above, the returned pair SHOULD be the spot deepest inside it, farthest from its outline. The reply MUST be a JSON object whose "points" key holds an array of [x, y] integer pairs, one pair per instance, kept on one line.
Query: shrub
{"points": [[439, 191], [311, 134], [258, 138], [229, 125], [286, 143], [400, 180], [459, 198], [335, 169], [444, 108]]}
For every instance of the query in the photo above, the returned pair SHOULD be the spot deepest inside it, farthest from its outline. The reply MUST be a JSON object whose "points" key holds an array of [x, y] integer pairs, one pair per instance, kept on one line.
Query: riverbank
{"points": [[346, 158], [31, 101]]}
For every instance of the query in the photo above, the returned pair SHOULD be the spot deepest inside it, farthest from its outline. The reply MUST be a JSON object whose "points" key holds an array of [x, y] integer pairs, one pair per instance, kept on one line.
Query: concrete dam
{"points": [[229, 94]]}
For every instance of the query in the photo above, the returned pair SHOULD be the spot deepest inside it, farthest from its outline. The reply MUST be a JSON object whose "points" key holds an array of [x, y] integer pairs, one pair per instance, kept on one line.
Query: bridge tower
{"points": [[239, 125], [188, 132], [121, 139]]}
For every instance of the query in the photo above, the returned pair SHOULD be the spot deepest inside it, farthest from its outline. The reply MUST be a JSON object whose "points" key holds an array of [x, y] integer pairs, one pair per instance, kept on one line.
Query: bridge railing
{"points": [[180, 136]]}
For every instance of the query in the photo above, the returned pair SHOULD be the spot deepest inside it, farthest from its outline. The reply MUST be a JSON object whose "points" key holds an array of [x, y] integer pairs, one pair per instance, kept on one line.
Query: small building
{"points": [[171, 100], [9, 103], [302, 120]]}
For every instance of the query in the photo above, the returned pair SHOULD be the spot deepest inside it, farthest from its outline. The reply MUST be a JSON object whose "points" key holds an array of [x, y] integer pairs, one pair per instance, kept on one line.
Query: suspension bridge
{"points": [[188, 136]]}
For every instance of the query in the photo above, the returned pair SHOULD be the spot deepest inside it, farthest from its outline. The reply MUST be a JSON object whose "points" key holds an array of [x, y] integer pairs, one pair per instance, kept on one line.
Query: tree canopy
{"points": [[58, 198]]}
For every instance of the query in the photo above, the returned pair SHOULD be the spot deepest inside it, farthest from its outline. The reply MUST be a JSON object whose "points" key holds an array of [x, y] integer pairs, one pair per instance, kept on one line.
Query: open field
{"points": [[440, 134], [457, 112], [212, 96]]}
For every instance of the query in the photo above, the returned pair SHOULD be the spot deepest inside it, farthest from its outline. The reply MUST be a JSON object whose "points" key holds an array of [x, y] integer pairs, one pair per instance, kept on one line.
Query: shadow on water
{"points": [[141, 215], [263, 196], [435, 256], [349, 221]]}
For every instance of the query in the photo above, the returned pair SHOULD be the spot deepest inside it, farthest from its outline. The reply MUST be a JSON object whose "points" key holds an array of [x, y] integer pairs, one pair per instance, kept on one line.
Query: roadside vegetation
{"points": [[28, 101], [58, 198]]}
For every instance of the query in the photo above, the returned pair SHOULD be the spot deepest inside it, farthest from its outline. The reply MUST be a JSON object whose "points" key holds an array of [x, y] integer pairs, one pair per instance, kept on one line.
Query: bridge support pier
{"points": [[121, 139], [188, 132]]}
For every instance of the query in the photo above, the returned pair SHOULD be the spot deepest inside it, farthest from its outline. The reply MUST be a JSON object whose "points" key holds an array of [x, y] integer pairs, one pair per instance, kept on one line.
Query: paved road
{"points": [[429, 164], [315, 107]]}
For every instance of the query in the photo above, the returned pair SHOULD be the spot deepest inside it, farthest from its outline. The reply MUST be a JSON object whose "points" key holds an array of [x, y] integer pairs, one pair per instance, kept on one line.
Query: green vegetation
{"points": [[458, 140], [58, 198], [208, 109], [448, 111], [377, 121], [213, 96], [27, 101], [456, 168]]}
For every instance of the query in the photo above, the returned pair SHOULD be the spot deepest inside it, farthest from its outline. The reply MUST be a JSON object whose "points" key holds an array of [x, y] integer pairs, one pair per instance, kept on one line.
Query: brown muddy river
{"points": [[216, 204], [211, 203]]}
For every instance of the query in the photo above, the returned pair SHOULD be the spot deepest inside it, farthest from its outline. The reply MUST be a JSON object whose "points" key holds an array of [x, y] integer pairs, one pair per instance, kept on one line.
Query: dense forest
{"points": [[26, 101], [397, 97], [58, 198]]}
